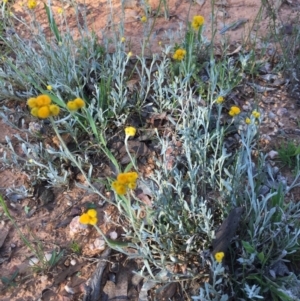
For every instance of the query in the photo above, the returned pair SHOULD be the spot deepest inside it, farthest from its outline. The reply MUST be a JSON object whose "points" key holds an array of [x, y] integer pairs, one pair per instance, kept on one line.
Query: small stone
{"points": [[273, 154], [33, 261], [99, 244], [48, 256], [280, 124], [73, 262], [275, 171], [272, 125], [69, 290], [113, 235], [67, 262], [282, 112], [271, 115], [76, 228], [263, 190], [69, 203], [268, 100], [265, 137]]}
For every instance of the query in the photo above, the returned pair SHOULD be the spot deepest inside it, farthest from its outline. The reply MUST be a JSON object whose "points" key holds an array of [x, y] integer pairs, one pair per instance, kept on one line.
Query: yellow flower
{"points": [[144, 19], [92, 213], [79, 103], [72, 106], [219, 256], [4, 1], [54, 110], [132, 176], [129, 54], [220, 99], [119, 188], [130, 131], [43, 112], [179, 54], [122, 178], [247, 120], [197, 22], [90, 217], [93, 220], [124, 181], [84, 219], [256, 114], [234, 110], [31, 102], [126, 178], [49, 87], [34, 112], [60, 10], [132, 185], [43, 100], [32, 4], [123, 39]]}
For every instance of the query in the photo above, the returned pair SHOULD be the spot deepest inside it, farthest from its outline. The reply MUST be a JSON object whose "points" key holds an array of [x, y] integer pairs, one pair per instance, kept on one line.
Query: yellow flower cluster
{"points": [[125, 181], [234, 110], [179, 54], [41, 107], [32, 4], [89, 218], [219, 256], [197, 22], [144, 19], [76, 104], [256, 114]]}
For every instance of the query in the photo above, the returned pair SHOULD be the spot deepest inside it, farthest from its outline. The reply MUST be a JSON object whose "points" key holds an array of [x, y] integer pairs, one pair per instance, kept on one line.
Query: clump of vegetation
{"points": [[288, 153], [200, 177]]}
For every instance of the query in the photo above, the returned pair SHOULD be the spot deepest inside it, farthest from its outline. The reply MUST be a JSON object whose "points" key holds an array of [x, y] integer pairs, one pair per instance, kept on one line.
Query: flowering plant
{"points": [[42, 106], [124, 182]]}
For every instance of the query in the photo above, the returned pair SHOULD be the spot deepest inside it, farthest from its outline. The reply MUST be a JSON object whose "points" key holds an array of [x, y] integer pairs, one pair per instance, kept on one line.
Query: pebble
{"points": [[76, 228], [265, 137], [272, 116], [272, 125], [272, 154], [33, 261], [113, 235], [275, 171], [73, 262], [263, 190], [98, 244], [282, 112], [48, 256], [69, 290], [268, 100]]}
